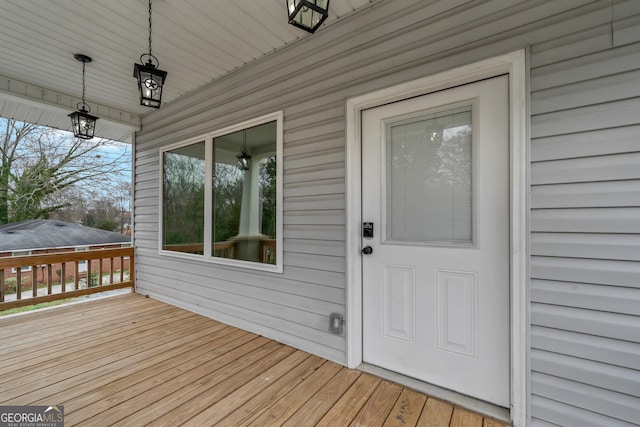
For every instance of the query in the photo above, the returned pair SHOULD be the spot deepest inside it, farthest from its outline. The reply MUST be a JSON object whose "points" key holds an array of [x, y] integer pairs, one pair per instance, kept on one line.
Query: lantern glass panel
{"points": [[150, 83], [83, 124], [307, 14], [244, 161]]}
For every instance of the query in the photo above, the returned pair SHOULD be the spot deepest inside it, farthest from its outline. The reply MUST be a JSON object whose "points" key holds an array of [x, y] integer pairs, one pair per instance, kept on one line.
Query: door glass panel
{"points": [[429, 178]]}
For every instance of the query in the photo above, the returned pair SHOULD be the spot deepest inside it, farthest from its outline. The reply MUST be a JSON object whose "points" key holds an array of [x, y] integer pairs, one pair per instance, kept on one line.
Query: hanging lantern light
{"points": [[83, 123], [244, 159], [150, 78], [307, 14]]}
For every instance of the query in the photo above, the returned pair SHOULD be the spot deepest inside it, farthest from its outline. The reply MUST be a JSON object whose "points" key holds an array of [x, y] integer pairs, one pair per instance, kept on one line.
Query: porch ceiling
{"points": [[196, 41]]}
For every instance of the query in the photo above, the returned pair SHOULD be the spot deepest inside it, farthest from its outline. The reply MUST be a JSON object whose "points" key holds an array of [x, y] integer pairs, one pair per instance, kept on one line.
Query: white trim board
{"points": [[513, 64]]}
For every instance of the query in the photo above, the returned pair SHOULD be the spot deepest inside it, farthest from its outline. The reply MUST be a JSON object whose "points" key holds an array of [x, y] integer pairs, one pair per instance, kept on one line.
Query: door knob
{"points": [[367, 250]]}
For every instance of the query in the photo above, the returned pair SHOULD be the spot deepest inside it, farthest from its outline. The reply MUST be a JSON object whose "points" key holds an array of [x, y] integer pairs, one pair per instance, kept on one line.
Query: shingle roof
{"points": [[44, 233]]}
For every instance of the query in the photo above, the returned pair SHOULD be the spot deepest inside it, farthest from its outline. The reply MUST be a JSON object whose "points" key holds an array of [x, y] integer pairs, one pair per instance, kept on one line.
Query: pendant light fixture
{"points": [[83, 123], [244, 159], [307, 14], [150, 77]]}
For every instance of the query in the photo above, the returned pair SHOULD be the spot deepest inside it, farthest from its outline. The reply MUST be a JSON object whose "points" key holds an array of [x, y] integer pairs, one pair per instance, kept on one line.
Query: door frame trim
{"points": [[515, 65]]}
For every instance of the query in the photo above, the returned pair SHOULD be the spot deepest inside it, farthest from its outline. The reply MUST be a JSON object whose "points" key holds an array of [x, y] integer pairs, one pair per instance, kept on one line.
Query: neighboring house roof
{"points": [[44, 233]]}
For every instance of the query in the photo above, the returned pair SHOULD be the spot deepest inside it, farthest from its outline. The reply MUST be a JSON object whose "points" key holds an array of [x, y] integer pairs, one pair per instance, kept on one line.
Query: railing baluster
{"points": [[34, 281], [63, 276], [49, 279], [2, 285], [111, 271], [19, 283], [121, 269], [89, 273], [132, 271], [75, 276], [100, 272]]}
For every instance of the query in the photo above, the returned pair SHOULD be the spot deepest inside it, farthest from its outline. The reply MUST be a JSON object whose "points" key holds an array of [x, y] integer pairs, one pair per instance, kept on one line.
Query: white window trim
{"points": [[278, 117], [515, 65]]}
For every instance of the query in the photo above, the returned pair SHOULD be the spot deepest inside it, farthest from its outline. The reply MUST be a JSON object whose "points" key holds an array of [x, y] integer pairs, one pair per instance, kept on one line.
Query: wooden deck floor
{"points": [[133, 361]]}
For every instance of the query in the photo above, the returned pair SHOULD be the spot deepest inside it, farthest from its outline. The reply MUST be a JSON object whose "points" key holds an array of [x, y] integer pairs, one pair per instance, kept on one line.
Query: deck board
{"points": [[130, 361]]}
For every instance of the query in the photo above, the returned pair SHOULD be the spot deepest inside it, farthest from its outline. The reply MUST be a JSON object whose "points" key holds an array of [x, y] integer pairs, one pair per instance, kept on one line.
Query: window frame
{"points": [[278, 118], [82, 264], [23, 269]]}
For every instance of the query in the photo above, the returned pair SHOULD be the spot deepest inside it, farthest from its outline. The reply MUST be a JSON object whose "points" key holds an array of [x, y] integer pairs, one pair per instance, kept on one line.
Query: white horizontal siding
{"points": [[316, 247], [610, 114], [602, 90], [599, 323], [313, 173], [315, 232], [581, 295], [585, 224], [323, 217], [586, 195], [604, 272], [586, 144], [582, 42], [587, 372], [566, 415], [623, 247], [571, 70], [606, 350], [597, 399], [587, 169], [263, 290], [593, 220], [626, 25], [585, 176]]}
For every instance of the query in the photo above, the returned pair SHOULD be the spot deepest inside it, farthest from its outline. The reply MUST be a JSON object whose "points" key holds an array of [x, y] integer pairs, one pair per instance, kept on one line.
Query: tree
{"points": [[14, 133], [268, 196], [122, 201], [102, 215], [183, 199], [40, 167]]}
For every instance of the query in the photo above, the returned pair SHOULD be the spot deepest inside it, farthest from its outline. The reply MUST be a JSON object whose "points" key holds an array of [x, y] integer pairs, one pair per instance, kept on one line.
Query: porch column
{"points": [[250, 209], [249, 236]]}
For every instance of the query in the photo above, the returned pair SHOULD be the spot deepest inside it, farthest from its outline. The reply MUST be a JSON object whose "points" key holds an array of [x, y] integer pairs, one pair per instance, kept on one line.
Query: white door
{"points": [[436, 284]]}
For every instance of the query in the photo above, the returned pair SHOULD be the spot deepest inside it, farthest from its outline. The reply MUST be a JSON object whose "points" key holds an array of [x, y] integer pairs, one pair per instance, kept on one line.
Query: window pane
{"points": [[429, 179], [183, 201], [244, 195]]}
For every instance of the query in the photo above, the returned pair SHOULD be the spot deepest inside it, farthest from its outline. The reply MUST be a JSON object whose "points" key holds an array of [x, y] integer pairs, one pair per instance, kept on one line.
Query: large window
{"points": [[227, 186]]}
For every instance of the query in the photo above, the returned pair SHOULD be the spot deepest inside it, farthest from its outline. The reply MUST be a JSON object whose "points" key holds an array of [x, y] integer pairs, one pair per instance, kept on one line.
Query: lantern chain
{"points": [[150, 1], [83, 84]]}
